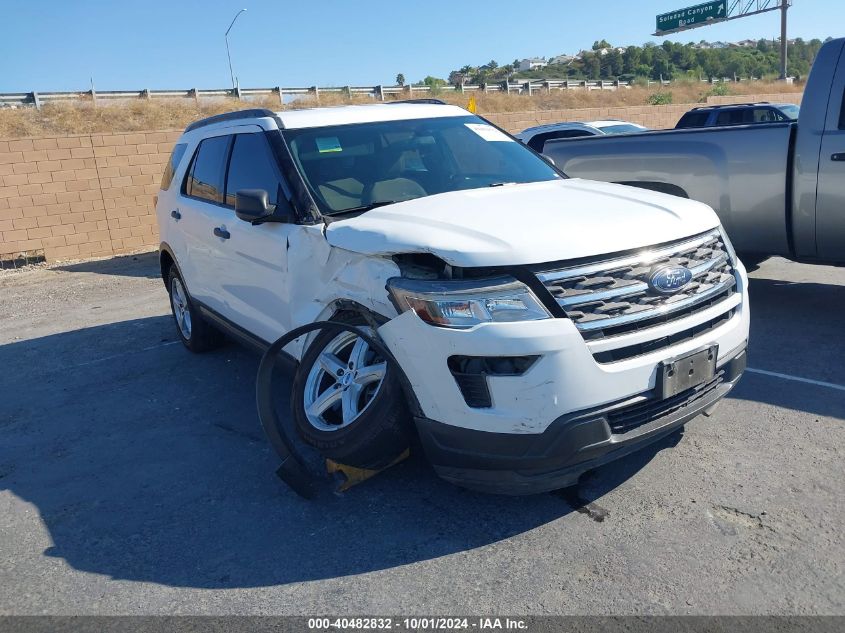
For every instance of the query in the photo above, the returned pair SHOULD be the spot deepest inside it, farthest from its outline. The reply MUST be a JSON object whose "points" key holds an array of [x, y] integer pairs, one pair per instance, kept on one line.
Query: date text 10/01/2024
{"points": [[418, 623]]}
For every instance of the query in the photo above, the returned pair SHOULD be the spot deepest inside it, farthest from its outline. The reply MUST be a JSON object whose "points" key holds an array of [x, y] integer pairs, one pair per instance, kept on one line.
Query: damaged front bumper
{"points": [[519, 463]]}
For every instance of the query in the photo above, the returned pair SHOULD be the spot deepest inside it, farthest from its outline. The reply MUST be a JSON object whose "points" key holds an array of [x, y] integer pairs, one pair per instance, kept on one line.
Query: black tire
{"points": [[202, 336], [377, 436]]}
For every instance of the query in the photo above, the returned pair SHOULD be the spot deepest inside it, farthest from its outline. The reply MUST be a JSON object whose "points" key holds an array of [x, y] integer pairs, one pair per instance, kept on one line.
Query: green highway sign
{"points": [[692, 16]]}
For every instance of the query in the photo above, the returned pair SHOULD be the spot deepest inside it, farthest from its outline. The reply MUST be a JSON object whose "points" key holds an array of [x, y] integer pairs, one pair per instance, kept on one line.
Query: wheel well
{"points": [[166, 262], [661, 187]]}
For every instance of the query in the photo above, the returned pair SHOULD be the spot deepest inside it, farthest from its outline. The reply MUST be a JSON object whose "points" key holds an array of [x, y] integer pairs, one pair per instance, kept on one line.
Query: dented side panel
{"points": [[319, 275]]}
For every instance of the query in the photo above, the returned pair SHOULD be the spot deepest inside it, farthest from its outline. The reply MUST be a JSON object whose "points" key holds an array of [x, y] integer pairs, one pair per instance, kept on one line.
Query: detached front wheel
{"points": [[348, 403]]}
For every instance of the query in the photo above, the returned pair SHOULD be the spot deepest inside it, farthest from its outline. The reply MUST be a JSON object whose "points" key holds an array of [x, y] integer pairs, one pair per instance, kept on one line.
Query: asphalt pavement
{"points": [[135, 479]]}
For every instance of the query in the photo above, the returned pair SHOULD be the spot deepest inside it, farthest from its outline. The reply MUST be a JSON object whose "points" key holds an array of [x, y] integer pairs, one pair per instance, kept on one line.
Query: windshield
{"points": [[361, 166], [790, 111], [623, 128]]}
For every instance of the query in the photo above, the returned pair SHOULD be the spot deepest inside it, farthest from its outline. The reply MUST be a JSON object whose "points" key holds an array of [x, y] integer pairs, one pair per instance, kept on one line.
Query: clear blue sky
{"points": [[128, 44]]}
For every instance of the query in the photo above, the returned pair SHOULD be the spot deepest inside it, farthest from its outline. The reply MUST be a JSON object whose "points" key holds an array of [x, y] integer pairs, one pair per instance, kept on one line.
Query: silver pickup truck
{"points": [[779, 188]]}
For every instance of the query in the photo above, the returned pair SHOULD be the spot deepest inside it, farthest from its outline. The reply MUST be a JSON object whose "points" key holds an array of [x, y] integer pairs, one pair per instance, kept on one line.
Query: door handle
{"points": [[221, 232], [838, 157], [175, 214]]}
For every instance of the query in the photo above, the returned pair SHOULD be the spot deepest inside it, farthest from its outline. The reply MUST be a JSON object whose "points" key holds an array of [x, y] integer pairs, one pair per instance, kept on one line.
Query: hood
{"points": [[524, 224]]}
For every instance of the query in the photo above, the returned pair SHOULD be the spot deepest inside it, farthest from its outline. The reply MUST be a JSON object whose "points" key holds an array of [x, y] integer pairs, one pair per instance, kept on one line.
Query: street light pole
{"points": [[228, 54]]}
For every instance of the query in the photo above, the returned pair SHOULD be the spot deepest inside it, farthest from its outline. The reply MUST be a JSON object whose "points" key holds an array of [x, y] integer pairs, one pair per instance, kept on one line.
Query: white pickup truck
{"points": [[541, 325]]}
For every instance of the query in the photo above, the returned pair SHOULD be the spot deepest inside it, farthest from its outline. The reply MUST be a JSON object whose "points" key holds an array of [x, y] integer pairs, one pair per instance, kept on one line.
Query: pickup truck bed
{"points": [[740, 171]]}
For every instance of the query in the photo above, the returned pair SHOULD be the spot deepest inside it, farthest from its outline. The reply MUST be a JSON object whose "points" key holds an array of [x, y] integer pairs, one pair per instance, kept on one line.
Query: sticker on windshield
{"points": [[328, 144], [488, 132]]}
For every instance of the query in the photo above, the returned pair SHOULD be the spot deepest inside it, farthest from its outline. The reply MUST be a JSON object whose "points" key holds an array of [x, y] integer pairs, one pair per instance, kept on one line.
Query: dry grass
{"points": [[128, 116]]}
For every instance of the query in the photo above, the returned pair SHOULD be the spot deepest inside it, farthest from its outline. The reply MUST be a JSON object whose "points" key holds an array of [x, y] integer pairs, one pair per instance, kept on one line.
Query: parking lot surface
{"points": [[134, 479]]}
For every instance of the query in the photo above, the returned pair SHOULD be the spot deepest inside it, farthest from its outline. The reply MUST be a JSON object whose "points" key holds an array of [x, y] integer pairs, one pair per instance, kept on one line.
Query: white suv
{"points": [[543, 325]]}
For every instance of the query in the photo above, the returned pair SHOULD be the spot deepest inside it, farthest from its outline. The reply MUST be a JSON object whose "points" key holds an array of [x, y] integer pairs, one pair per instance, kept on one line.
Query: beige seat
{"points": [[343, 193], [395, 189]]}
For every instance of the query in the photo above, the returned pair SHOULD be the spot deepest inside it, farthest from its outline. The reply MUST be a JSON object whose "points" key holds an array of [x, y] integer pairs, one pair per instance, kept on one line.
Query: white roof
{"points": [[345, 115], [610, 122]]}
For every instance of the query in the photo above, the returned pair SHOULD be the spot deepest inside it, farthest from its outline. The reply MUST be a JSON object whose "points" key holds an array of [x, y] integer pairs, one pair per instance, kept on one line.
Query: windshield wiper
{"points": [[365, 207], [500, 184]]}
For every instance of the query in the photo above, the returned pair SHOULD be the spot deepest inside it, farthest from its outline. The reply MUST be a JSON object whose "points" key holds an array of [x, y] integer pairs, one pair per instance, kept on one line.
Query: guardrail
{"points": [[380, 92]]}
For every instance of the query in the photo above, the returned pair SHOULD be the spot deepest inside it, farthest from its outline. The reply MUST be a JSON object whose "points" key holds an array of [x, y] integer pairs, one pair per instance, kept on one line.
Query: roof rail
{"points": [[255, 113], [731, 105], [430, 101]]}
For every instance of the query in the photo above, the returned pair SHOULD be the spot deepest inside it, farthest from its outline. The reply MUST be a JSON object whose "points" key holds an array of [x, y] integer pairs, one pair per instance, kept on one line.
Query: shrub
{"points": [[720, 90], [659, 98]]}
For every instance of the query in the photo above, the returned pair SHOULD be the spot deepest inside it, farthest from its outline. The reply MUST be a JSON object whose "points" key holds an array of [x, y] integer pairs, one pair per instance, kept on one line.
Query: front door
{"points": [[252, 266]]}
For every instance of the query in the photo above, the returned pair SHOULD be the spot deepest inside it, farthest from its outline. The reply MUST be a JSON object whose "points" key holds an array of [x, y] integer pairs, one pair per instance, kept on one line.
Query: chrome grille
{"points": [[611, 297]]}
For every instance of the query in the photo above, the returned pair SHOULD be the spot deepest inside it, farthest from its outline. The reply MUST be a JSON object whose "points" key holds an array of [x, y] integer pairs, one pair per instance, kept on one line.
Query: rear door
{"points": [[200, 202], [830, 193]]}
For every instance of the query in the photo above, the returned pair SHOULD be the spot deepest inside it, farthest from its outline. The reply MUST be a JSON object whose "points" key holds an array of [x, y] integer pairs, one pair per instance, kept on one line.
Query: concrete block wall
{"points": [[787, 97], [85, 196], [80, 196]]}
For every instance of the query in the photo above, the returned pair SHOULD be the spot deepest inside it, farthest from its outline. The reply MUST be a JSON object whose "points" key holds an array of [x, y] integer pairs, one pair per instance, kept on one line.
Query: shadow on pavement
{"points": [[140, 265], [148, 463]]}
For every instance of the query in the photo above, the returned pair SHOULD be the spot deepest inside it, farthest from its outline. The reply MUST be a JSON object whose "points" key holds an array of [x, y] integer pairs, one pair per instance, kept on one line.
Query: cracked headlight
{"points": [[466, 303]]}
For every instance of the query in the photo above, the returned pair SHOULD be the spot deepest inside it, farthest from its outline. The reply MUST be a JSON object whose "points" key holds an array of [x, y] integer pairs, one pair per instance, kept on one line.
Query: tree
{"points": [[593, 67], [631, 59], [433, 82], [614, 63], [400, 79], [457, 78], [600, 44]]}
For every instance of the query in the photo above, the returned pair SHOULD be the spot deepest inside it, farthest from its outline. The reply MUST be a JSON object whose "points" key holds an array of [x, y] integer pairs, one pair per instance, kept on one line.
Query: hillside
{"points": [[669, 60]]}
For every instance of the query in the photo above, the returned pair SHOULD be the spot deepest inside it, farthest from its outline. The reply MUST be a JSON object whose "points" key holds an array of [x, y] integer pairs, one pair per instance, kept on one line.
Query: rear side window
{"points": [[206, 178], [170, 169], [765, 115], [693, 119], [251, 167], [733, 117]]}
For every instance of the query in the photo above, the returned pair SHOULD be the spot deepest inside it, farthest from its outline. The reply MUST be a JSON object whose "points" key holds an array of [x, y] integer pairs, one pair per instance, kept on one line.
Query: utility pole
{"points": [[784, 5], [226, 37]]}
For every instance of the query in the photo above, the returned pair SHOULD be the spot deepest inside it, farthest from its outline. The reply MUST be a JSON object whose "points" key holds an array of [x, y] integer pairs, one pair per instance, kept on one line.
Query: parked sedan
{"points": [[536, 137]]}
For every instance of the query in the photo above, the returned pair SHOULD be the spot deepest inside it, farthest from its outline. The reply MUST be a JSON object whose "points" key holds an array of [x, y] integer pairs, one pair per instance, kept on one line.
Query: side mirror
{"points": [[252, 205]]}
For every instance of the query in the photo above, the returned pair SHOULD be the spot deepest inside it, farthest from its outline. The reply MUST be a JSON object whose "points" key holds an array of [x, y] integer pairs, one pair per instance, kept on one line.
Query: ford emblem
{"points": [[667, 280]]}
